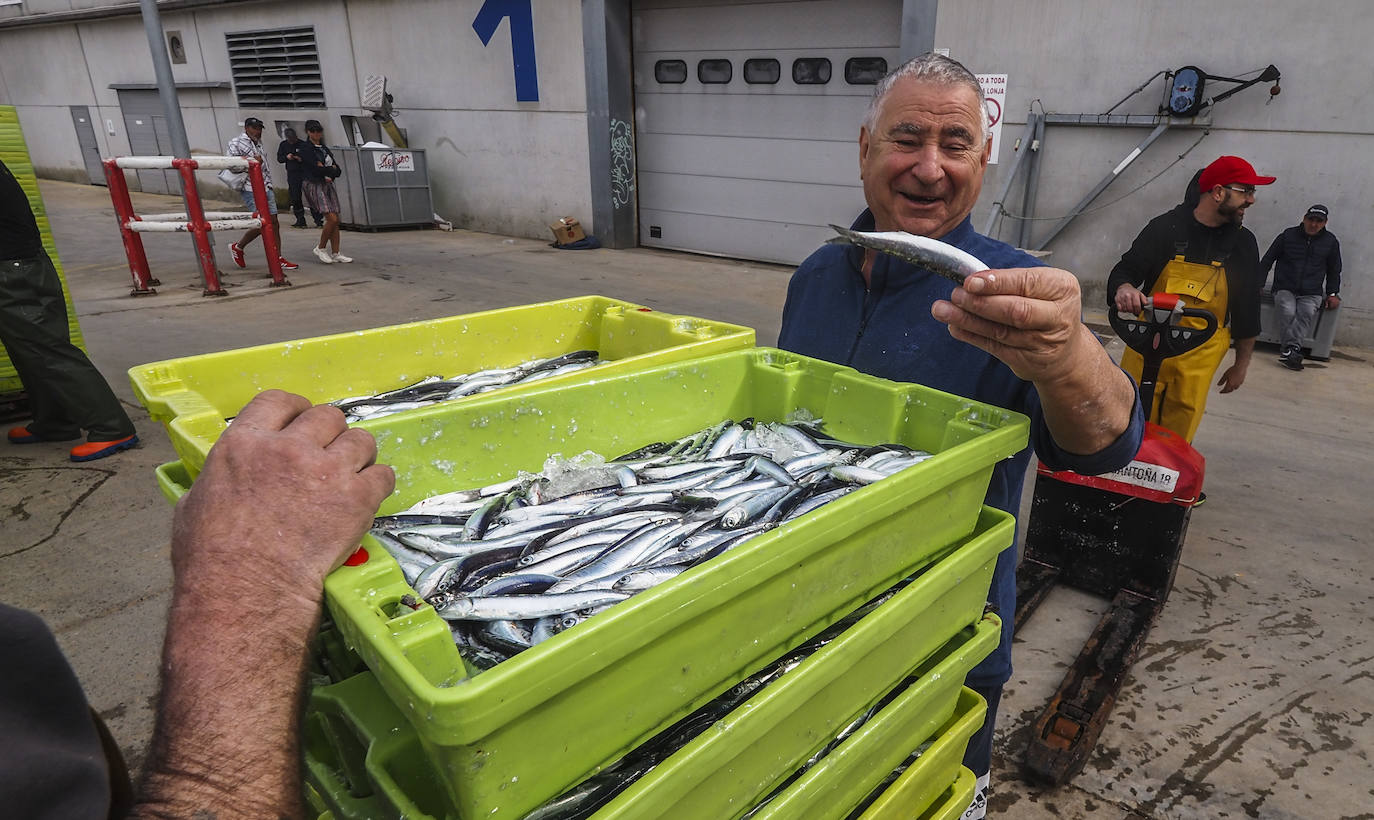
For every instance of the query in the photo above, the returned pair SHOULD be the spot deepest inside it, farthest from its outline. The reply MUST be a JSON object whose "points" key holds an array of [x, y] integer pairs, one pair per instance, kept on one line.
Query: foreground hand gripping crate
{"points": [[512, 737], [366, 763], [193, 396]]}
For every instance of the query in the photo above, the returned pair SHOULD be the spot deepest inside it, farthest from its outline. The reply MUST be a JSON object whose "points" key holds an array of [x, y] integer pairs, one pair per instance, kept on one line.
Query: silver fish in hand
{"points": [[932, 254]]}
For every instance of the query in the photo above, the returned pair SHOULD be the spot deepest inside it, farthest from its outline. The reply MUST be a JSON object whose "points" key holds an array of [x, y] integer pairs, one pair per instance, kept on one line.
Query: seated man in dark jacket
{"points": [[1307, 277]]}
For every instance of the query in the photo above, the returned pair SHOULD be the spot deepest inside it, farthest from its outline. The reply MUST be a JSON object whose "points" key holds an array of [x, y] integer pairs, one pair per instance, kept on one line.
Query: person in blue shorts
{"points": [[249, 144]]}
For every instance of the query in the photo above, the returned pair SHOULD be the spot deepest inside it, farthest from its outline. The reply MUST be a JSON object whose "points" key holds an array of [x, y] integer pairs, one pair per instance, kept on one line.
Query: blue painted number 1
{"points": [[521, 41]]}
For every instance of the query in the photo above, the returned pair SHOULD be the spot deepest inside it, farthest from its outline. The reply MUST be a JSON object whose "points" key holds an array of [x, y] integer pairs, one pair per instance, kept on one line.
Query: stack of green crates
{"points": [[505, 741], [15, 154]]}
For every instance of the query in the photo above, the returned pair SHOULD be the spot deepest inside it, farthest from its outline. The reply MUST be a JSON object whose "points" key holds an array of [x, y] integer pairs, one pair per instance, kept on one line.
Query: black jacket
{"points": [[316, 160], [293, 166], [1303, 262], [1176, 233], [19, 236]]}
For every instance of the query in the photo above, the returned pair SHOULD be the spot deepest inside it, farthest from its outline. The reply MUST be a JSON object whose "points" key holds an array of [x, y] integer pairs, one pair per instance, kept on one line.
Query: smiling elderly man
{"points": [[1012, 336]]}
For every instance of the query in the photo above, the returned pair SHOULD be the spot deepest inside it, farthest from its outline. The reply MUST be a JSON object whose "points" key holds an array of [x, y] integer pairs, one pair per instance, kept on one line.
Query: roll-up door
{"points": [[747, 120]]}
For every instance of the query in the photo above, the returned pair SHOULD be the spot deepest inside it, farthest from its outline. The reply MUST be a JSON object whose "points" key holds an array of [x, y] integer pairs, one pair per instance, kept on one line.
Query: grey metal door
{"points": [[90, 149], [147, 130]]}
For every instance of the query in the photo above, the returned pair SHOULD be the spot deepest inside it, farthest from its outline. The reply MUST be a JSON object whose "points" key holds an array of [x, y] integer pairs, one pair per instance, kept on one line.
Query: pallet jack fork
{"points": [[1118, 536]]}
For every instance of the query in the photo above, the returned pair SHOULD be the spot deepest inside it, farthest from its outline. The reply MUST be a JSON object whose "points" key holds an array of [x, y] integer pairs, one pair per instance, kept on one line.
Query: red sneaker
{"points": [[236, 253], [92, 450], [285, 265]]}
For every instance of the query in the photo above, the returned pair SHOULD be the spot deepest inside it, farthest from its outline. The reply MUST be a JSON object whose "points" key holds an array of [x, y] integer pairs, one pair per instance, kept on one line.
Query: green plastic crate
{"points": [[608, 685], [192, 396], [514, 736], [937, 783], [746, 754], [948, 806], [365, 762], [849, 773]]}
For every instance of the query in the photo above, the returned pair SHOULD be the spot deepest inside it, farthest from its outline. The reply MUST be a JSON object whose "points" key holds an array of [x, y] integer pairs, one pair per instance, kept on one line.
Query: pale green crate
{"points": [[193, 396], [611, 683], [937, 783]]}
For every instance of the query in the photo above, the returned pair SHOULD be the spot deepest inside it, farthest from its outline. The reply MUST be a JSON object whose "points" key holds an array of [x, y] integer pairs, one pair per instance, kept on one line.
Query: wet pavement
{"points": [[1252, 699]]}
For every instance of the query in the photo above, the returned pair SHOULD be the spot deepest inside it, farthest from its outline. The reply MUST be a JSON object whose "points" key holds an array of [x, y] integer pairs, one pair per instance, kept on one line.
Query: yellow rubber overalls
{"points": [[1181, 393]]}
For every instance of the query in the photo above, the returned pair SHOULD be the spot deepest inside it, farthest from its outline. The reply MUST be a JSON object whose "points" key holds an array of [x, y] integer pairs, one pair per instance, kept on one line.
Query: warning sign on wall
{"points": [[995, 98]]}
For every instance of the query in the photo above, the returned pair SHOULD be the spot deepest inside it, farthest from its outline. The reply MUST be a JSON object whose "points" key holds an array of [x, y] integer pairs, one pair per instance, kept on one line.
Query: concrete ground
{"points": [[1252, 699]]}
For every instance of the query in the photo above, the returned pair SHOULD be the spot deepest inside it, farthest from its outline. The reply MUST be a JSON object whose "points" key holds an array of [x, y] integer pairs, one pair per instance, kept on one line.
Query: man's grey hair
{"points": [[931, 68]]}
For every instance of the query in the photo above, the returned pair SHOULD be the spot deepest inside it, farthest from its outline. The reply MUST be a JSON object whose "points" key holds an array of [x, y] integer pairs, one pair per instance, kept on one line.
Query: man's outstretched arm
{"points": [[286, 495]]}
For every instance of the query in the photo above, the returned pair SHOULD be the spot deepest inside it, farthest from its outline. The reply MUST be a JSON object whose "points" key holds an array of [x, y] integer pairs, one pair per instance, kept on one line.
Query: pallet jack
{"points": [[1118, 536]]}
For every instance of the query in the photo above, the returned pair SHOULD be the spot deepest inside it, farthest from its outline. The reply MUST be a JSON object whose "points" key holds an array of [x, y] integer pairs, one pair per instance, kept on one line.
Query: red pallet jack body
{"points": [[1118, 536]]}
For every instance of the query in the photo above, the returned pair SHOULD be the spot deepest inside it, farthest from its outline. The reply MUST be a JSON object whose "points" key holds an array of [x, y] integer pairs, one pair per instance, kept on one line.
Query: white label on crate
{"points": [[1149, 476], [393, 161]]}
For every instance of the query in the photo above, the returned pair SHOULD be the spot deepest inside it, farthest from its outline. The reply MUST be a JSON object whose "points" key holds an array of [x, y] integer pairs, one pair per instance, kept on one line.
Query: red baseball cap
{"points": [[1230, 171]]}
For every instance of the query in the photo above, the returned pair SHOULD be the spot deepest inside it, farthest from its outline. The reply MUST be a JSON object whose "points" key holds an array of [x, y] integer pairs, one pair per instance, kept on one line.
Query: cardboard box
{"points": [[566, 231]]}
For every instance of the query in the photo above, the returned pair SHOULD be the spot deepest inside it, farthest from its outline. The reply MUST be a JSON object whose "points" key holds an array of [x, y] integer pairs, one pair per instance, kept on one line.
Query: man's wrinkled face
{"points": [[922, 166], [1313, 225], [254, 132]]}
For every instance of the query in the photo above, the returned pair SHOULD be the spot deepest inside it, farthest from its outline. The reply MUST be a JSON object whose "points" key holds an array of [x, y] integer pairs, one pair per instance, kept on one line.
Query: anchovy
{"points": [[525, 607], [932, 254]]}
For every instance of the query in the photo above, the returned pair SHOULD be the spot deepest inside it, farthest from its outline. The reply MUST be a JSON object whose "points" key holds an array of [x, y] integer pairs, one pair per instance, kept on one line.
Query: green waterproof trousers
{"points": [[66, 393]]}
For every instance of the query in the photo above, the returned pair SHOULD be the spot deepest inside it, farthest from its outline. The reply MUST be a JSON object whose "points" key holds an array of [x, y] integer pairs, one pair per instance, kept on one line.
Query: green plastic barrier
{"points": [[192, 396], [15, 154]]}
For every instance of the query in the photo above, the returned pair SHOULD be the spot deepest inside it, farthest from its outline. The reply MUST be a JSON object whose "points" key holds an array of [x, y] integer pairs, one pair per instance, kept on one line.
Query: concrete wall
{"points": [[495, 164], [1077, 57]]}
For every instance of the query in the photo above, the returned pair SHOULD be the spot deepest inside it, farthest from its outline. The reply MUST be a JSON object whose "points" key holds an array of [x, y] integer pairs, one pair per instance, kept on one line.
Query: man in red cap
{"points": [[1202, 253]]}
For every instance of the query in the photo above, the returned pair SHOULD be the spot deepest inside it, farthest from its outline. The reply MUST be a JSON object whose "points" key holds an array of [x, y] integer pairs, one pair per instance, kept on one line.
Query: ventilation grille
{"points": [[276, 68]]}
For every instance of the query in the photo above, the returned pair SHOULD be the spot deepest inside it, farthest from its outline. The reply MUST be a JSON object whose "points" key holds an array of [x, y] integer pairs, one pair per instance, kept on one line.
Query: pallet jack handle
{"points": [[1159, 335]]}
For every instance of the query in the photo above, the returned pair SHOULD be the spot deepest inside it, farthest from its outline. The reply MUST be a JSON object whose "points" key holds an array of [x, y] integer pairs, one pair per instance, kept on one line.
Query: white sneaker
{"points": [[323, 255], [338, 257]]}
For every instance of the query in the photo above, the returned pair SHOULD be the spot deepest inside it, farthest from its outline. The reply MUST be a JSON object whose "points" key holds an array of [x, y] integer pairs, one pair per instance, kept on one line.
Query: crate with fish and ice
{"points": [[402, 367], [717, 762], [510, 737]]}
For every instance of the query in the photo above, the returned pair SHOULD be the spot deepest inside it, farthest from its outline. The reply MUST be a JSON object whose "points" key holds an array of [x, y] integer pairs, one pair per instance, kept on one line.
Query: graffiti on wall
{"points": [[521, 18], [622, 164]]}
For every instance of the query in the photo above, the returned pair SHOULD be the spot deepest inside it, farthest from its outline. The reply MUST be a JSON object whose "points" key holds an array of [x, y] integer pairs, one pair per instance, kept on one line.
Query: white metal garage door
{"points": [[732, 163]]}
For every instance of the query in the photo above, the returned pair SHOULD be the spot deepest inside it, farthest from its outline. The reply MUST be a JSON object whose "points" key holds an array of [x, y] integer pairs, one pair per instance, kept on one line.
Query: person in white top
{"points": [[249, 144]]}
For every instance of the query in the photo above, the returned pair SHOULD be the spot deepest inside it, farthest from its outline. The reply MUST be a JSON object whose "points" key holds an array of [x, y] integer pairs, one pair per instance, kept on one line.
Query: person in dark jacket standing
{"points": [[289, 155], [66, 393], [1202, 253], [1307, 276]]}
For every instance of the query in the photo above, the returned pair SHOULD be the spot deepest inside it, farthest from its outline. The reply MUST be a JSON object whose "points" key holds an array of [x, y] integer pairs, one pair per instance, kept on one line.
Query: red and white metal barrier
{"points": [[199, 223]]}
